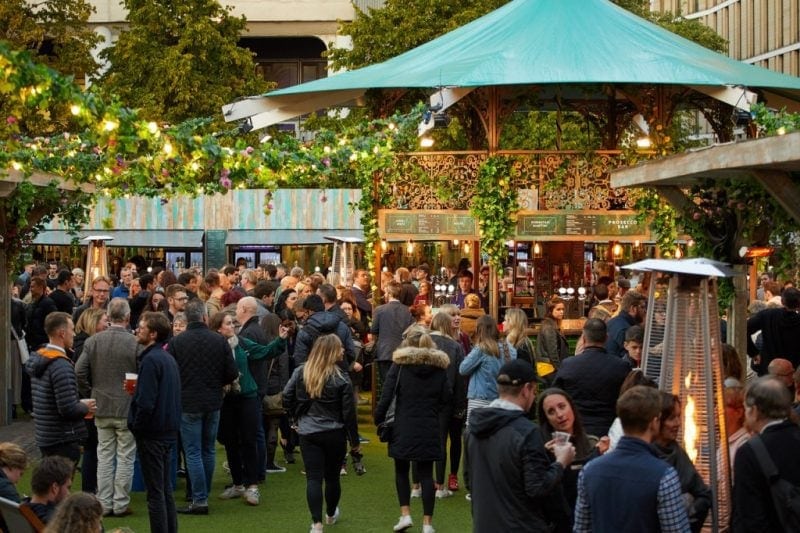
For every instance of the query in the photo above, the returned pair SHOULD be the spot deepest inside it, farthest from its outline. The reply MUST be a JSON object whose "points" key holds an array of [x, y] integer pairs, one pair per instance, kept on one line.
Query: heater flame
{"points": [[689, 423]]}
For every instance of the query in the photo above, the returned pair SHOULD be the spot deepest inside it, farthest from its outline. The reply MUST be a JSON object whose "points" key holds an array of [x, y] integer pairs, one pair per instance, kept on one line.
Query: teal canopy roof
{"points": [[539, 42]]}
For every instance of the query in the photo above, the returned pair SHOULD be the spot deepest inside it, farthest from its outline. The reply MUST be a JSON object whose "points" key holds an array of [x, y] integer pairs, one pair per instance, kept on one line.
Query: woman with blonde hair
{"points": [[483, 363], [454, 313], [451, 418], [417, 384], [320, 398], [78, 513], [515, 325]]}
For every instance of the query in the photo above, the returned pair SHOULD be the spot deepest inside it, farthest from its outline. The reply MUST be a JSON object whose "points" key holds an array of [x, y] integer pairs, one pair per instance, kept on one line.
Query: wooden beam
{"points": [[12, 178], [732, 160], [781, 186]]}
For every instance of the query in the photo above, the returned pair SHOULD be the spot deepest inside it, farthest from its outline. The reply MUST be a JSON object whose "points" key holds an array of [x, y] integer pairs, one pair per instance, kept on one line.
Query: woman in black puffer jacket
{"points": [[418, 380]]}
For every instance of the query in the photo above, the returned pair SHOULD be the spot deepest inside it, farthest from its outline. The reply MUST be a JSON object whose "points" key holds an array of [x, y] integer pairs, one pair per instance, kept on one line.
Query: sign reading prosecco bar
{"points": [[580, 225], [427, 225]]}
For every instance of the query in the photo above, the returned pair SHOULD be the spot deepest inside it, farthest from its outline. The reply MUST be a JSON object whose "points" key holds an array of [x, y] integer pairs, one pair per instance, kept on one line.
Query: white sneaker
{"points": [[252, 496], [343, 471], [330, 520], [427, 528], [443, 493], [404, 523], [416, 493], [232, 492], [468, 497]]}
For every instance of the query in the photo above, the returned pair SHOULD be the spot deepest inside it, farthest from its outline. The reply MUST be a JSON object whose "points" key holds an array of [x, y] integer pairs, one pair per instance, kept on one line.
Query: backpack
{"points": [[785, 496]]}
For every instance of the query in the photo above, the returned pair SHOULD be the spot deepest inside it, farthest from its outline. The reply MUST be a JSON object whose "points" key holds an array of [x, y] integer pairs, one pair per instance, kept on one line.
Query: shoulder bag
{"points": [[272, 404], [785, 496], [385, 428]]}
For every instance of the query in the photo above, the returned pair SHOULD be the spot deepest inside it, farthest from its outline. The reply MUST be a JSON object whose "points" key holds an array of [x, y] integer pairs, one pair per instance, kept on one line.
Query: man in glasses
{"points": [[176, 298]]}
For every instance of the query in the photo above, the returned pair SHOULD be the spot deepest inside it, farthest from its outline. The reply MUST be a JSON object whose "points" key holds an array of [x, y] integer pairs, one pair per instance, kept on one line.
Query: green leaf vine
{"points": [[495, 206]]}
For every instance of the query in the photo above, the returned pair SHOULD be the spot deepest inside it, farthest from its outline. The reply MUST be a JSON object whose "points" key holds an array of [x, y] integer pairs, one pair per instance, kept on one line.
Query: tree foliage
{"points": [[179, 59], [57, 32]]}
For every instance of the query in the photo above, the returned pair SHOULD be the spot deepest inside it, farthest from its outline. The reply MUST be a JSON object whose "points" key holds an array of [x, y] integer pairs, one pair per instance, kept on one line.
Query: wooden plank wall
{"points": [[762, 32]]}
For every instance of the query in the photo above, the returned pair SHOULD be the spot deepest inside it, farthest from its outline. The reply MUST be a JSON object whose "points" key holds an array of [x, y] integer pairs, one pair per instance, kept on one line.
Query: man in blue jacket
{"points": [[632, 489], [154, 419]]}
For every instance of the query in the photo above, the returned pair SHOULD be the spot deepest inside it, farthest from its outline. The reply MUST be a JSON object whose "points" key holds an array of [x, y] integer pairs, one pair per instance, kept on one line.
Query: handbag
{"points": [[272, 404], [384, 429], [24, 354]]}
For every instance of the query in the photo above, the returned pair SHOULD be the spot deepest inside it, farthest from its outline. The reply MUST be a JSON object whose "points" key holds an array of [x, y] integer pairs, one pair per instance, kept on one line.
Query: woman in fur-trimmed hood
{"points": [[418, 379]]}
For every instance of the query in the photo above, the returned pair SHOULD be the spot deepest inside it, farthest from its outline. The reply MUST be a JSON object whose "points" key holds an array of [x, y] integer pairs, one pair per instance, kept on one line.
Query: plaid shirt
{"points": [[671, 510]]}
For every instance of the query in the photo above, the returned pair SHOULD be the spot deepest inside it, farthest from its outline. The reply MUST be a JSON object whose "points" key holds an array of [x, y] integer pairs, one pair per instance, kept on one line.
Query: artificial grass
{"points": [[368, 504]]}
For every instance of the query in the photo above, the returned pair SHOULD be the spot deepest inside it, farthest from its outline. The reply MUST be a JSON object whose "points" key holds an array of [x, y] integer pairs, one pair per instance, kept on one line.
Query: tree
{"points": [[57, 32], [179, 59]]}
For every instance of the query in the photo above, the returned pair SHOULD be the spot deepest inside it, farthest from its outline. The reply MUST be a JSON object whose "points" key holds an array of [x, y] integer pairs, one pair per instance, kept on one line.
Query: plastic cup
{"points": [[130, 382], [561, 437]]}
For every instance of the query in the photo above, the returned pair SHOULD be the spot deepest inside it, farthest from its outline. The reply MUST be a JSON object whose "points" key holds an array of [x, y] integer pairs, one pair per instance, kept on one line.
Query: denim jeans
{"points": [[198, 433], [155, 457], [116, 452]]}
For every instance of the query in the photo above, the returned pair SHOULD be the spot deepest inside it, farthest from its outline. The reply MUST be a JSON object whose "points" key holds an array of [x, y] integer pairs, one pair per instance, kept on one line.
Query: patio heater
{"points": [[683, 354], [96, 259]]}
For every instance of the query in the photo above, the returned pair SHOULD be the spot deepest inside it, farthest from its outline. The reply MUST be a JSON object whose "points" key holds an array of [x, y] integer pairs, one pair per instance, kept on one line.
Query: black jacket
{"points": [[323, 323], [753, 510], [593, 380], [334, 409], [155, 411], [512, 478], [780, 336], [422, 389], [691, 483], [57, 409], [206, 365], [456, 382], [37, 311]]}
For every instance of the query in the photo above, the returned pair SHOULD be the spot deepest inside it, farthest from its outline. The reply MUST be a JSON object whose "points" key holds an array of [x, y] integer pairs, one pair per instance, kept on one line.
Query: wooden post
{"points": [[737, 316], [5, 341]]}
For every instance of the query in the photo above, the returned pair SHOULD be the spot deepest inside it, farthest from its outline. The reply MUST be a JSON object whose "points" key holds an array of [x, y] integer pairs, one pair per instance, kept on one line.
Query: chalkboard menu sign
{"points": [[216, 255], [427, 225], [572, 225]]}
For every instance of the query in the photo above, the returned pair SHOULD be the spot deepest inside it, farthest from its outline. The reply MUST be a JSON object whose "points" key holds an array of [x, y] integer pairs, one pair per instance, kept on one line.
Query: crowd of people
{"points": [[540, 435]]}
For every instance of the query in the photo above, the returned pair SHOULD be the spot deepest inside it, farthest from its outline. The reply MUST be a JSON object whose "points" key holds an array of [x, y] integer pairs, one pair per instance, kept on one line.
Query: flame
{"points": [[689, 423]]}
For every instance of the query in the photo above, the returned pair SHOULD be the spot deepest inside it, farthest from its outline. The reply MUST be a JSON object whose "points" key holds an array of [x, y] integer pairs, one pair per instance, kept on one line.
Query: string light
{"points": [[75, 109], [167, 148], [152, 127]]}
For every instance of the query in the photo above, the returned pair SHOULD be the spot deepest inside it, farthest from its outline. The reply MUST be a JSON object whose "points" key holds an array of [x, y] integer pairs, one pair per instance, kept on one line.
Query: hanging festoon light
{"points": [[683, 354]]}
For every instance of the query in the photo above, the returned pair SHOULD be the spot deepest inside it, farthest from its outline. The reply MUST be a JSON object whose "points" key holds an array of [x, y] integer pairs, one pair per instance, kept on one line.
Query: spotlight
{"points": [[741, 117], [246, 126]]}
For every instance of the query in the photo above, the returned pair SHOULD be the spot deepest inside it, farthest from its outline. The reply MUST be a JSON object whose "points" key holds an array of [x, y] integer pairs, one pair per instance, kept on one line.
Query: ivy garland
{"points": [[495, 206]]}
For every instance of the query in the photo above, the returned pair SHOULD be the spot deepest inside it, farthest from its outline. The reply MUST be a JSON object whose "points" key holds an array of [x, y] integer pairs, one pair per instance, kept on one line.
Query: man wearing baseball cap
{"points": [[511, 475]]}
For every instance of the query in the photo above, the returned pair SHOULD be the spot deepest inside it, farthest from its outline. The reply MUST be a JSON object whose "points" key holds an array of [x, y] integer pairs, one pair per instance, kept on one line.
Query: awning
{"points": [[131, 238], [241, 237], [535, 43]]}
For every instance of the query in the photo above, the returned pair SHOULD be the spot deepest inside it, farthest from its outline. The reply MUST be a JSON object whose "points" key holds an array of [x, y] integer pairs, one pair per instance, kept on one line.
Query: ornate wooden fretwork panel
{"points": [[565, 180]]}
